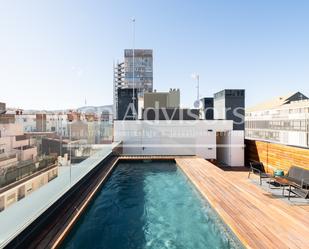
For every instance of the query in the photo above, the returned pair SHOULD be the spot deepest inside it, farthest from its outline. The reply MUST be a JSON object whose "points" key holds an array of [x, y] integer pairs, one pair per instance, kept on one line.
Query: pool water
{"points": [[149, 205]]}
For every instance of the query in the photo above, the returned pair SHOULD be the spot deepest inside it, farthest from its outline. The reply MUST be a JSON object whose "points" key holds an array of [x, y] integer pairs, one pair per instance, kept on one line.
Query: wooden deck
{"points": [[257, 218]]}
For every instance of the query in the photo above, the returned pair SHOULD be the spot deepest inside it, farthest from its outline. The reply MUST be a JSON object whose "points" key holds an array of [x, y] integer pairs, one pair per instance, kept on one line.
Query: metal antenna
{"points": [[133, 66]]}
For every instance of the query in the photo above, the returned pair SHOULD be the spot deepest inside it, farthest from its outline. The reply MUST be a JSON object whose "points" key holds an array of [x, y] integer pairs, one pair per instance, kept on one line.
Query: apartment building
{"points": [[26, 180], [21, 170], [13, 140], [43, 122], [282, 120]]}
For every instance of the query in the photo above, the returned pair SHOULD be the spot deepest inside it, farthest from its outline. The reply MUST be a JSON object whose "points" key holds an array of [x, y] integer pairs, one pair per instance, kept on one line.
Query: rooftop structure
{"points": [[207, 108], [170, 99], [229, 104], [209, 139], [2, 108], [275, 103], [41, 122], [125, 108]]}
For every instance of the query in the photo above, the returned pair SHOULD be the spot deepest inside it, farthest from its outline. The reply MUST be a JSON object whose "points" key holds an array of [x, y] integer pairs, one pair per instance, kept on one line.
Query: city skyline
{"points": [[56, 55]]}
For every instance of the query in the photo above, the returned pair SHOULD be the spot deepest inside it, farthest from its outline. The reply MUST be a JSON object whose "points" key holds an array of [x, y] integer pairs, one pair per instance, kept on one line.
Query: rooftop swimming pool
{"points": [[149, 205]]}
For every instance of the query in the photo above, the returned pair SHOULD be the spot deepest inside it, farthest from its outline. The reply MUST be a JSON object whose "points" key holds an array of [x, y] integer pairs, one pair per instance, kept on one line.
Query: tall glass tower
{"points": [[143, 74]]}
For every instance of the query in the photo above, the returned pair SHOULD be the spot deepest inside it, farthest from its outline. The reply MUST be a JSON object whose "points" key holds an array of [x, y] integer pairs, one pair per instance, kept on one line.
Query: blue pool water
{"points": [[149, 205]]}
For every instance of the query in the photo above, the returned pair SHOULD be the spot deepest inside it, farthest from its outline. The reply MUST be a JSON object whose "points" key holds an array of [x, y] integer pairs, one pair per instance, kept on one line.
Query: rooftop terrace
{"points": [[259, 219]]}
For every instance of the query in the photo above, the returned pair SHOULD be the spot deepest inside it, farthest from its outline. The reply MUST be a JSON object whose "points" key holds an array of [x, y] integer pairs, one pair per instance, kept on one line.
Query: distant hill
{"points": [[96, 109], [84, 109]]}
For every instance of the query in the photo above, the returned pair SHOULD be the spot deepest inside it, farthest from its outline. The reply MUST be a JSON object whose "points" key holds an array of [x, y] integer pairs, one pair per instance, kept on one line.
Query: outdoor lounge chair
{"points": [[301, 192], [257, 168], [300, 179]]}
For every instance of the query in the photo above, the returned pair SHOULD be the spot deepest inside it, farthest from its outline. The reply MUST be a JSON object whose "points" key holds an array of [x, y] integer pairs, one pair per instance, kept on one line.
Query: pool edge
{"points": [[86, 203], [212, 204]]}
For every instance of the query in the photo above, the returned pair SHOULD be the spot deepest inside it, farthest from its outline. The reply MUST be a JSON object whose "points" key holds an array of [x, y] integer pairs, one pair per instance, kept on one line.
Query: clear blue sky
{"points": [[54, 54]]}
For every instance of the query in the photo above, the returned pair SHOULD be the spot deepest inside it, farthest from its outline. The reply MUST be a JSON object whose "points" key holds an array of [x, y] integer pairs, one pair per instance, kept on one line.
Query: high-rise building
{"points": [[141, 79], [143, 69]]}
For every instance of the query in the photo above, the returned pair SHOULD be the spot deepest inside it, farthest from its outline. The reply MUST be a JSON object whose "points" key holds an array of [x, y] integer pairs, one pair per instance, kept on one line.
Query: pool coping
{"points": [[224, 222]]}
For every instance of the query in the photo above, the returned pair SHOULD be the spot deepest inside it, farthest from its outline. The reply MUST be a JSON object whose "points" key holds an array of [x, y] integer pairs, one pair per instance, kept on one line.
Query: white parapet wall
{"points": [[231, 148], [177, 137]]}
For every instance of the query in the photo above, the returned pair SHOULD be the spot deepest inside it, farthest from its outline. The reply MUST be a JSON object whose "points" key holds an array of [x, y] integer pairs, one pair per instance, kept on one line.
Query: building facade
{"points": [[182, 137], [125, 108], [170, 99], [2, 108], [19, 189], [207, 108], [143, 69], [170, 114], [181, 131], [131, 74], [229, 104], [21, 169], [283, 120]]}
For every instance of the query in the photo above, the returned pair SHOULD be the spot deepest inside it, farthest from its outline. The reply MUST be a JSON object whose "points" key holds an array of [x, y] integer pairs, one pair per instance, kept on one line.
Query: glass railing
{"points": [[24, 211], [42, 155]]}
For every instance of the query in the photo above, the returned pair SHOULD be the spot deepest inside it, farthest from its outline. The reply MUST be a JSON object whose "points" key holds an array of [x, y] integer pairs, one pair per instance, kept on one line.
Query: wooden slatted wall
{"points": [[276, 156]]}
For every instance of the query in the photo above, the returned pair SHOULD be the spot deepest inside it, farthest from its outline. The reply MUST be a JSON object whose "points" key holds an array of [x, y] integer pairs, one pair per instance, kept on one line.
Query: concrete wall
{"points": [[229, 104], [169, 99], [11, 130], [173, 99], [219, 108], [5, 161], [231, 148], [29, 154], [2, 107], [171, 137], [155, 100], [170, 114]]}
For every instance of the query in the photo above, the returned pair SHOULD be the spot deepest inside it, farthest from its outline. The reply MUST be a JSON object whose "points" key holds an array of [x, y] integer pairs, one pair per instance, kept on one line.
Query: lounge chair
{"points": [[257, 168], [300, 179]]}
